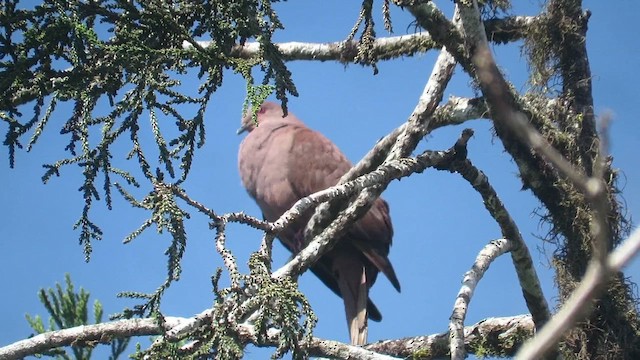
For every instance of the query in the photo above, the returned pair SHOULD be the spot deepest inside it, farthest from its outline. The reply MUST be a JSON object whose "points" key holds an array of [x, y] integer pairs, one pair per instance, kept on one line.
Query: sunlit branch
{"points": [[501, 336], [469, 283], [381, 177], [508, 330], [504, 30], [522, 261]]}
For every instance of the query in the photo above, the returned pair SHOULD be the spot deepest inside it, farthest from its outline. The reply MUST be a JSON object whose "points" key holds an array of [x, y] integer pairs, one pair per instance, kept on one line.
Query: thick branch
{"points": [[509, 29], [513, 127], [580, 303], [571, 48], [492, 336], [343, 51], [89, 333]]}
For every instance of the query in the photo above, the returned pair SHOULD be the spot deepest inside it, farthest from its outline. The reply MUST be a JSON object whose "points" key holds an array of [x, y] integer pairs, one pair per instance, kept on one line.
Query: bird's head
{"points": [[268, 112]]}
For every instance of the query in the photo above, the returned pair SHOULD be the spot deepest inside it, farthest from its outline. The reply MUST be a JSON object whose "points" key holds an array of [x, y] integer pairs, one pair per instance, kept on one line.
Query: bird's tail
{"points": [[355, 293]]}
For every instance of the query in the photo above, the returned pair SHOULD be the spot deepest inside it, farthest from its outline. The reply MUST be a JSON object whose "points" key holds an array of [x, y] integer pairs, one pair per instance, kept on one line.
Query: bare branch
{"points": [[506, 335], [456, 111], [405, 144], [471, 279], [431, 96], [502, 104], [338, 350], [344, 51], [381, 177], [99, 332], [501, 31]]}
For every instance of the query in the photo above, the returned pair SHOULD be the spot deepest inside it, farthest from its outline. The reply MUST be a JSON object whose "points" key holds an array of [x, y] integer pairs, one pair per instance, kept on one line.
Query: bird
{"points": [[280, 161]]}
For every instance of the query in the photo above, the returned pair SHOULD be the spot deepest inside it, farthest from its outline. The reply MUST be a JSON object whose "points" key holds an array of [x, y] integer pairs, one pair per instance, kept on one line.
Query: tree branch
{"points": [[489, 337], [500, 31], [381, 177], [455, 112], [418, 122], [471, 279], [88, 333], [580, 303], [404, 145], [508, 117]]}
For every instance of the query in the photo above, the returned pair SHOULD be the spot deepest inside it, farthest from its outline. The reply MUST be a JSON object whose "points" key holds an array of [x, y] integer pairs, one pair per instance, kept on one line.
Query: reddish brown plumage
{"points": [[281, 161]]}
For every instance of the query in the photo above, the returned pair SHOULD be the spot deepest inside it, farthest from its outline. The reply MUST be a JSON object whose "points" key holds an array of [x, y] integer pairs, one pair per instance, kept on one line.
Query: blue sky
{"points": [[440, 222]]}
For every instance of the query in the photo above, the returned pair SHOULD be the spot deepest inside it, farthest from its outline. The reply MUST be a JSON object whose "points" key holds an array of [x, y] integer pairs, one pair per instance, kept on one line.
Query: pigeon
{"points": [[280, 161]]}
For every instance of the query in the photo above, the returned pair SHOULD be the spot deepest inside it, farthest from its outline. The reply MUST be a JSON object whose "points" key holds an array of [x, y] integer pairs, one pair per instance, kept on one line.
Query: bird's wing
{"points": [[314, 164], [322, 270]]}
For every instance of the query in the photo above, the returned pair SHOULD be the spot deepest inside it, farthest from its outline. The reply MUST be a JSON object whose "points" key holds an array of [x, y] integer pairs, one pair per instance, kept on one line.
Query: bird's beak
{"points": [[241, 130]]}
